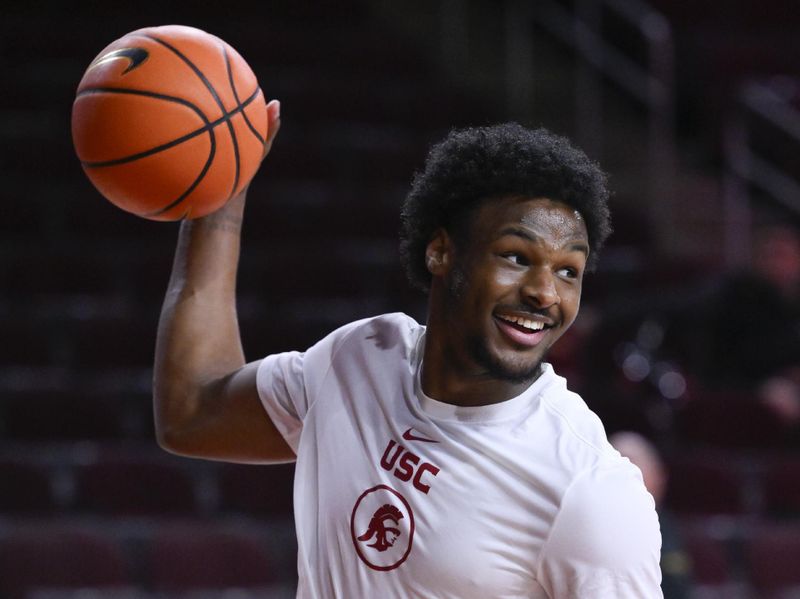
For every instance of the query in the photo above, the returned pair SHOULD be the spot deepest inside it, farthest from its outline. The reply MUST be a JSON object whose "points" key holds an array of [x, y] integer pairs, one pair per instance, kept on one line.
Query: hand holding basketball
{"points": [[169, 123]]}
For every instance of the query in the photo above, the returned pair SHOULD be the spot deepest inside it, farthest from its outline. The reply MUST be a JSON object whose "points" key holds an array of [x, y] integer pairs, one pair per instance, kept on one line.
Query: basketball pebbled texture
{"points": [[169, 122]]}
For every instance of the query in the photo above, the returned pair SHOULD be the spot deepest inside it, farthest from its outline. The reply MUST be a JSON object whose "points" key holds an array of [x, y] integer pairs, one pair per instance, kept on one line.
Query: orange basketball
{"points": [[169, 122]]}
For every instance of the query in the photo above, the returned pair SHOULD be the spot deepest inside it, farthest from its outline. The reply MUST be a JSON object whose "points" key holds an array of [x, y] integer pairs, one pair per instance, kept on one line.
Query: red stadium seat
{"points": [[708, 552], [198, 557], [135, 486], [257, 490], [59, 557], [782, 486], [706, 484], [731, 420], [73, 414], [773, 558]]}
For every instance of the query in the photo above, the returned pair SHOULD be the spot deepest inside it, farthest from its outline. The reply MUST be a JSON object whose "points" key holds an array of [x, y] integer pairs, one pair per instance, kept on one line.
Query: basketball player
{"points": [[446, 460]]}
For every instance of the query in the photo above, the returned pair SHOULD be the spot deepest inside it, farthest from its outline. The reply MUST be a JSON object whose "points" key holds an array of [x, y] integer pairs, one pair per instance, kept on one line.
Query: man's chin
{"points": [[520, 374], [509, 369]]}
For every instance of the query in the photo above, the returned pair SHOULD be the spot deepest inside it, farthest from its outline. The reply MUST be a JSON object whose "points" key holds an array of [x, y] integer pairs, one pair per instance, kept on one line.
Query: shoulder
{"points": [[358, 346], [389, 329], [614, 512], [348, 353], [576, 426], [387, 332], [606, 529], [382, 330], [353, 340]]}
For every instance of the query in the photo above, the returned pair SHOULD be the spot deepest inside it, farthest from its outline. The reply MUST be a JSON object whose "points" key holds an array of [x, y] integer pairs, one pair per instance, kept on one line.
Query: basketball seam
{"points": [[194, 184], [232, 129], [157, 149], [208, 127], [214, 95], [250, 125]]}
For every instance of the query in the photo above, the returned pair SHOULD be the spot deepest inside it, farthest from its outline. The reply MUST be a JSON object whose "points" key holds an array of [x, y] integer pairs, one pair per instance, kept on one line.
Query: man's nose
{"points": [[540, 288]]}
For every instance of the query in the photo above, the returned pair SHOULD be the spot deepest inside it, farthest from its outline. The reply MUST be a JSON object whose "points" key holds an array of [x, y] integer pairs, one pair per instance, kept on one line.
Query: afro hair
{"points": [[474, 165]]}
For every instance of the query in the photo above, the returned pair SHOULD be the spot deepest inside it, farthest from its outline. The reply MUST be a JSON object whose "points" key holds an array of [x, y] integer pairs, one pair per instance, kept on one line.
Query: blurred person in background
{"points": [[733, 340], [752, 337], [676, 578]]}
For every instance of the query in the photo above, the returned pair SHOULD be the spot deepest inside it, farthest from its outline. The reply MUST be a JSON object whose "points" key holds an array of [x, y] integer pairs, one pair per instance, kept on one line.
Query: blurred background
{"points": [[688, 340]]}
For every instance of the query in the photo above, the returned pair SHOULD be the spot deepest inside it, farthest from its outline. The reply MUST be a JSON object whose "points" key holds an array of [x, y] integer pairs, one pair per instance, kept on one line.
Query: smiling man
{"points": [[504, 290], [438, 461]]}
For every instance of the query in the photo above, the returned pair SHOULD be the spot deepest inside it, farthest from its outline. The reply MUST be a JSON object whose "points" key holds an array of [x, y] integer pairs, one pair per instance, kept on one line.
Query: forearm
{"points": [[206, 399], [198, 341]]}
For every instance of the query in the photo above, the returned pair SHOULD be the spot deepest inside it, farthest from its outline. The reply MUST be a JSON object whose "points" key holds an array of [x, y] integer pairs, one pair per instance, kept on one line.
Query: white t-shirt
{"points": [[398, 495]]}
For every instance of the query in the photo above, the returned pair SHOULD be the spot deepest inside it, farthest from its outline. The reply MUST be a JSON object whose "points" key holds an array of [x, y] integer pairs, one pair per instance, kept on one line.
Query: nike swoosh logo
{"points": [[136, 56], [410, 436]]}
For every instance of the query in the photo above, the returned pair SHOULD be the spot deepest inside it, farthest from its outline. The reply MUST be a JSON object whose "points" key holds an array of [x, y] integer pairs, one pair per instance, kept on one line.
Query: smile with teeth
{"points": [[526, 323]]}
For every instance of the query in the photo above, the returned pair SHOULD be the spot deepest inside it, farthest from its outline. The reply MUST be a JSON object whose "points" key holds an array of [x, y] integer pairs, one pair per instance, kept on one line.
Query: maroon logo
{"points": [[410, 435], [378, 529], [382, 528], [408, 466]]}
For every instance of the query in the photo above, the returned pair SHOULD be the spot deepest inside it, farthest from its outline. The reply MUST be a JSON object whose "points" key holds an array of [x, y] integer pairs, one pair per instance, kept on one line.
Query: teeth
{"points": [[528, 324]]}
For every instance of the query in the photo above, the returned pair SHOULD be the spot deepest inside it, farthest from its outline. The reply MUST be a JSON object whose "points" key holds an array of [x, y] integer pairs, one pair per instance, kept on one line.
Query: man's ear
{"points": [[438, 254]]}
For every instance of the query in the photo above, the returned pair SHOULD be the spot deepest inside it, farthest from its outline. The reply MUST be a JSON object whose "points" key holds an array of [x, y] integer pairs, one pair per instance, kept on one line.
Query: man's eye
{"points": [[568, 272], [516, 258]]}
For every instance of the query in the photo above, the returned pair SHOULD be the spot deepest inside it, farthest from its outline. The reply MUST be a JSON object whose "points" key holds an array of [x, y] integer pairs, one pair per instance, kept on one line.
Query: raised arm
{"points": [[205, 398]]}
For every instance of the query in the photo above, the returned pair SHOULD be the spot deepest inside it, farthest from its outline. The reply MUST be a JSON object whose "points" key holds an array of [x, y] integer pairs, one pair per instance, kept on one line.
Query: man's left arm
{"points": [[605, 542]]}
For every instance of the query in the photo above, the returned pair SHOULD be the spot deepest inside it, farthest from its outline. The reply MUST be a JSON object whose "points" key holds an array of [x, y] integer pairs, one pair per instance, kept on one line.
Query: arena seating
{"points": [[773, 552], [88, 503], [55, 556], [201, 557], [134, 486], [262, 491], [782, 486], [707, 485], [729, 419]]}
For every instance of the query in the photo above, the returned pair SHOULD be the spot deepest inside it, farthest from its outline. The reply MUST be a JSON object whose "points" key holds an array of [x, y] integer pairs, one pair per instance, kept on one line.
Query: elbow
{"points": [[184, 439], [174, 441], [175, 420], [168, 440]]}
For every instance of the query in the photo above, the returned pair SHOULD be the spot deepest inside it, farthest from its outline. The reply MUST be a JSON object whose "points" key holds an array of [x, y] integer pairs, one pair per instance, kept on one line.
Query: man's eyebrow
{"points": [[518, 232], [577, 246]]}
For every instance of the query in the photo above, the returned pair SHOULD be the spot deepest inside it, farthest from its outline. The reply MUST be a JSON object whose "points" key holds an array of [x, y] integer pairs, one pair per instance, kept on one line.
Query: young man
{"points": [[445, 461]]}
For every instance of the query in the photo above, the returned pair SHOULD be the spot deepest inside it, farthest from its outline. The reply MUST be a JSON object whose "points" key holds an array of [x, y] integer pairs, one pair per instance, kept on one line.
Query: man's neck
{"points": [[443, 381]]}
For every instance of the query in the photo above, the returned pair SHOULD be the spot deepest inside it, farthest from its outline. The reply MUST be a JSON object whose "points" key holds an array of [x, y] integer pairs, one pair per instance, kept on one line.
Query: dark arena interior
{"points": [[689, 331]]}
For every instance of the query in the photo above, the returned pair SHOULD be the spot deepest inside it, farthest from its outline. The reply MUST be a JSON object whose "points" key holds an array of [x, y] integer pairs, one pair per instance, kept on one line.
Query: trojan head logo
{"points": [[134, 56], [382, 528]]}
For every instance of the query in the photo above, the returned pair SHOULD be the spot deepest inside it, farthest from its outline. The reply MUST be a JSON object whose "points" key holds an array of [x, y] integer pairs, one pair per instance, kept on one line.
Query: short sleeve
{"points": [[281, 389], [288, 382], [605, 542]]}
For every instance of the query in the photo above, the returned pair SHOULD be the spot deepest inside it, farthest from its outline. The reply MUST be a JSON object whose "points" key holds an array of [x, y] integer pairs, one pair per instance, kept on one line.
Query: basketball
{"points": [[169, 122]]}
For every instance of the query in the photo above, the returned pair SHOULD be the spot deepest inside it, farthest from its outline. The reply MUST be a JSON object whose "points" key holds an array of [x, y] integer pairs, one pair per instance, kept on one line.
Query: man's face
{"points": [[514, 286]]}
